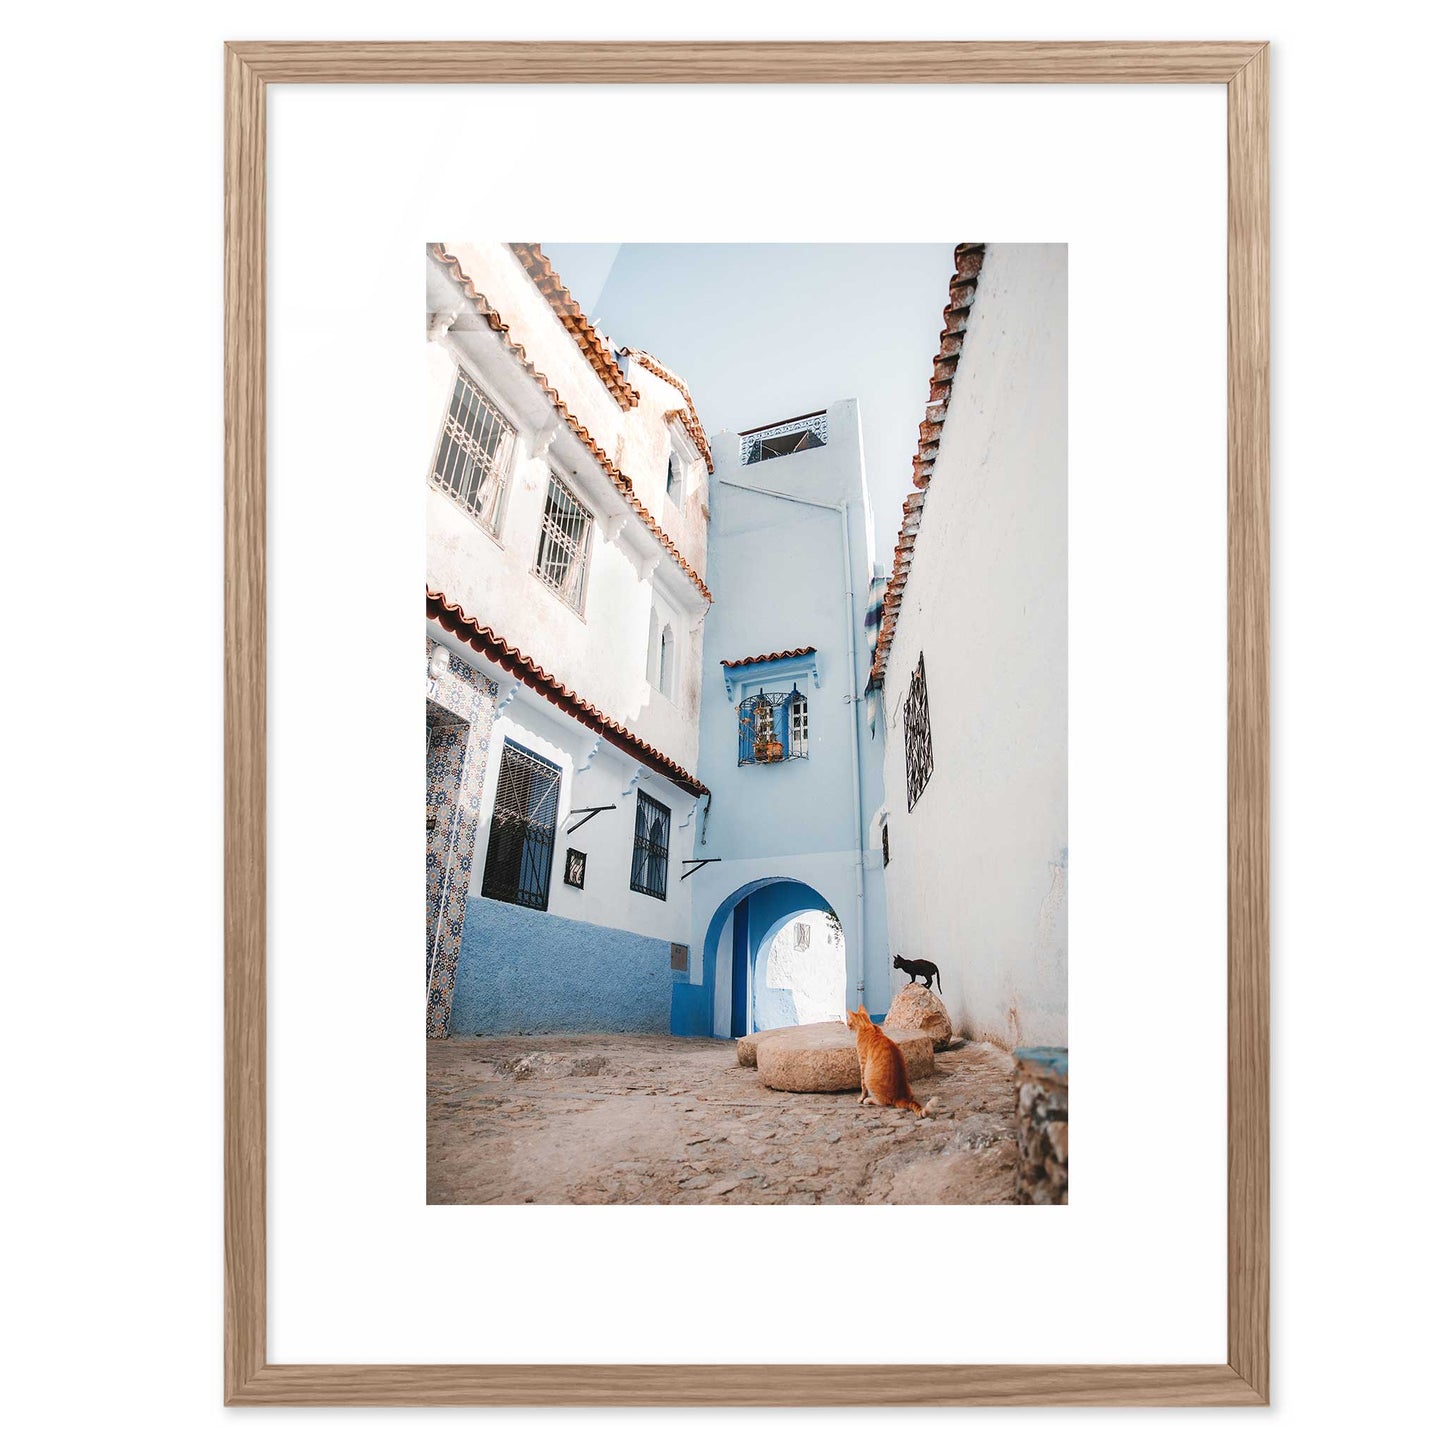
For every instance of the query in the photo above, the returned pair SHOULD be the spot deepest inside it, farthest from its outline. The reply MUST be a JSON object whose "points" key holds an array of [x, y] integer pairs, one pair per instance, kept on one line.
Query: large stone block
{"points": [[748, 1044], [823, 1058]]}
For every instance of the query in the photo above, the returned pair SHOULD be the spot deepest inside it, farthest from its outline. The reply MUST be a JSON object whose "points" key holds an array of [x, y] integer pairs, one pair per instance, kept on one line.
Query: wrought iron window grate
{"points": [[524, 829], [563, 546], [917, 736], [474, 454], [649, 847], [797, 434], [802, 935], [772, 727]]}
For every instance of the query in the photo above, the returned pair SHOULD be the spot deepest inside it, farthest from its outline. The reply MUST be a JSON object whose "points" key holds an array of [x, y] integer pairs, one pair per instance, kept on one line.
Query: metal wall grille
{"points": [[917, 736], [802, 935], [799, 434], [649, 847], [772, 727], [564, 544], [524, 829], [474, 454]]}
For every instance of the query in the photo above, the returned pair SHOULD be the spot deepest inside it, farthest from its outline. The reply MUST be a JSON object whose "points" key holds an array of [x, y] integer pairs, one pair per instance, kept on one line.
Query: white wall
{"points": [[594, 773], [602, 653], [815, 972], [978, 878]]}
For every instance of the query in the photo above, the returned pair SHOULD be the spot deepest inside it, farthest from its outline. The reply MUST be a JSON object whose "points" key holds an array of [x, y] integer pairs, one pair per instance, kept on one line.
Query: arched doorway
{"points": [[766, 971]]}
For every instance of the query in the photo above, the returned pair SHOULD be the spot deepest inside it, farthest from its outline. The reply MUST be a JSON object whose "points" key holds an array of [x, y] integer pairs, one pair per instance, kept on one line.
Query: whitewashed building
{"points": [[566, 556], [791, 829], [972, 658]]}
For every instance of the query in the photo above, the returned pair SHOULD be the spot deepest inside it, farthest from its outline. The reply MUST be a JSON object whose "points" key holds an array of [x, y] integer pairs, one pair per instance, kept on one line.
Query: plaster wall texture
{"points": [[525, 972], [978, 878], [777, 570], [593, 774], [629, 573], [814, 974]]}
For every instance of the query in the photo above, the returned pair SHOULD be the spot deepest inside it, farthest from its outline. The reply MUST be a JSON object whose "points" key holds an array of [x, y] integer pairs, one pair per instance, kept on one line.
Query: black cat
{"points": [[917, 968]]}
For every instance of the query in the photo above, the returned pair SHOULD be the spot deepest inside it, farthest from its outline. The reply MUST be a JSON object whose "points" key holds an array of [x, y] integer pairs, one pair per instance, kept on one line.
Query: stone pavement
{"points": [[642, 1119]]}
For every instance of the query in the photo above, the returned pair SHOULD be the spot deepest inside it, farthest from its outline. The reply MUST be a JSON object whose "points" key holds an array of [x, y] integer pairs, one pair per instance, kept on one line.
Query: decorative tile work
{"points": [[460, 706]]}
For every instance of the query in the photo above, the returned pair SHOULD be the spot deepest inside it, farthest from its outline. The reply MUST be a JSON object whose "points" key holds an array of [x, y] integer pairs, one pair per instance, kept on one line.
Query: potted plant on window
{"points": [[767, 748]]}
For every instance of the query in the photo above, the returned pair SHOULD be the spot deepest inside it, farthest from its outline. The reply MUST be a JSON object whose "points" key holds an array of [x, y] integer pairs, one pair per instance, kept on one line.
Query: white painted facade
{"points": [[792, 560], [978, 874], [632, 646], [630, 575], [594, 774]]}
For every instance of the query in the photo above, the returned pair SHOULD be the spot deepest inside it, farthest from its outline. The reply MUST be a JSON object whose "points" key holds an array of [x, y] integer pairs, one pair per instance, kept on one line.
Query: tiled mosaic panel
{"points": [[460, 707]]}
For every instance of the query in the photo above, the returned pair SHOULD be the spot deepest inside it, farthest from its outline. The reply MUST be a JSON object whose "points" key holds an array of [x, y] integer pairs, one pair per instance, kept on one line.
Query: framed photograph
{"points": [[887, 613]]}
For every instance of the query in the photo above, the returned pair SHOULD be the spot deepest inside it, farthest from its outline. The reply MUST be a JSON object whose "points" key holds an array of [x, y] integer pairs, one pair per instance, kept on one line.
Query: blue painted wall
{"points": [[526, 972], [691, 1008], [782, 571]]}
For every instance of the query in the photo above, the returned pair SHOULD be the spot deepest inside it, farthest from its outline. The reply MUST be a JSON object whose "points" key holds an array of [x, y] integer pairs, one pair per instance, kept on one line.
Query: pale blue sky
{"points": [[765, 332]]}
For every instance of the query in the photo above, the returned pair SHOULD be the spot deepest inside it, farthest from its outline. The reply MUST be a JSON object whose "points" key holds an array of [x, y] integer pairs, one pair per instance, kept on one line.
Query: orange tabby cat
{"points": [[880, 1061]]}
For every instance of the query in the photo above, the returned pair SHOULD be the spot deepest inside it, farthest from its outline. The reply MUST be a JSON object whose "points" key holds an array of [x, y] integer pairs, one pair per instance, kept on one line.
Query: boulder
{"points": [[823, 1058], [922, 1009]]}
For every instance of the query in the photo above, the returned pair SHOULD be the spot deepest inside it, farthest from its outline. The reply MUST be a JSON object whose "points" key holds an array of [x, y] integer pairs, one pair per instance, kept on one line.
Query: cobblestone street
{"points": [[627, 1119]]}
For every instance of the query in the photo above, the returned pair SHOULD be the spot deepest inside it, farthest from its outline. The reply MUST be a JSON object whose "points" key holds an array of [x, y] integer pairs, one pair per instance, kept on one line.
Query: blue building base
{"points": [[522, 971]]}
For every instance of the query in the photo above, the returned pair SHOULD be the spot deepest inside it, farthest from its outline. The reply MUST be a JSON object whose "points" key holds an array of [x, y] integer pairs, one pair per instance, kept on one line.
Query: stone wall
{"points": [[1043, 1125]]}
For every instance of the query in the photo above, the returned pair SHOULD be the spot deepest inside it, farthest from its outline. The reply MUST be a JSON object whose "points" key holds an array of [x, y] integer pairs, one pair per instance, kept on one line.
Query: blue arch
{"points": [[758, 910]]}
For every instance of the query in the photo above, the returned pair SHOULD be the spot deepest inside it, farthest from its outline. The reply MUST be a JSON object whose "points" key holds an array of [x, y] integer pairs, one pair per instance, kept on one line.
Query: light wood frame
{"points": [[1244, 69]]}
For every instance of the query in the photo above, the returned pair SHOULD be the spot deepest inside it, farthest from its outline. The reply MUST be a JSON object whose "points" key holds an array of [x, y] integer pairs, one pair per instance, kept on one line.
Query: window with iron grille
{"points": [[524, 829], [917, 736], [474, 454], [564, 544], [649, 847], [802, 935], [772, 727]]}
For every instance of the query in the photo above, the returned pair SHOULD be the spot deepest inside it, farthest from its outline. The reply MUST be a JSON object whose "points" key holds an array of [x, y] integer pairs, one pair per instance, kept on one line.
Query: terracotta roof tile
{"points": [[968, 257], [592, 346], [622, 482], [486, 642], [770, 656], [688, 415]]}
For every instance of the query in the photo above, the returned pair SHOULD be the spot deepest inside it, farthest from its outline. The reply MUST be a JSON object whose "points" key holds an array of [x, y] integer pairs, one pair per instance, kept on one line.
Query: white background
{"points": [[113, 1046], [1134, 1269]]}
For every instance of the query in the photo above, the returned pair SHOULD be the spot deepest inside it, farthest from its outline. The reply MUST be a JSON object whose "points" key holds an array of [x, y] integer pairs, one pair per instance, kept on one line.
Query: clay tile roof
{"points": [[486, 642], [687, 415], [592, 346], [619, 479], [967, 263], [770, 657]]}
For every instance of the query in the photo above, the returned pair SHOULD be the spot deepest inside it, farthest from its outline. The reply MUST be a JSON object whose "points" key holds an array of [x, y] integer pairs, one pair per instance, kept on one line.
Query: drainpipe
{"points": [[841, 508]]}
